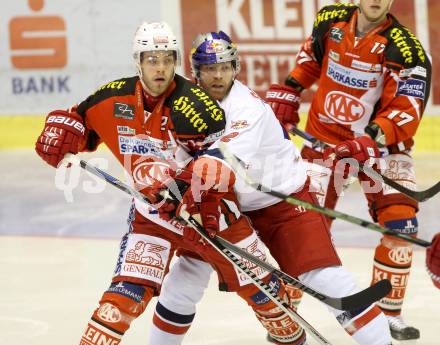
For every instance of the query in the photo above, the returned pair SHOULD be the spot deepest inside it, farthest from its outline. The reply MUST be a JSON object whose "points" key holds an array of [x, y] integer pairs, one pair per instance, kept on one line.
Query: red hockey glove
{"points": [[61, 134], [360, 149], [433, 260], [207, 213], [211, 181], [165, 195], [285, 102], [206, 182], [176, 195], [169, 196]]}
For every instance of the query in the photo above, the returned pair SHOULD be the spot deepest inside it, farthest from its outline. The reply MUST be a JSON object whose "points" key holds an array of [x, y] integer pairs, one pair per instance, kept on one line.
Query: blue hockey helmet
{"points": [[210, 48]]}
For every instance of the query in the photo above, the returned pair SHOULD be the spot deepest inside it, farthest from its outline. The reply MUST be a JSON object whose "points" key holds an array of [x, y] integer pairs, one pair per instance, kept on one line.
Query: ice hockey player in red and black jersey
{"points": [[374, 82], [153, 123]]}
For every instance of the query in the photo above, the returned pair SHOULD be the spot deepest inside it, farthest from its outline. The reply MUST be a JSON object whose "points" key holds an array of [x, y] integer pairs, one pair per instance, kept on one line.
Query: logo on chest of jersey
{"points": [[350, 77], [333, 55], [139, 146], [147, 173], [343, 108], [123, 111], [411, 88], [336, 34], [366, 66], [126, 130]]}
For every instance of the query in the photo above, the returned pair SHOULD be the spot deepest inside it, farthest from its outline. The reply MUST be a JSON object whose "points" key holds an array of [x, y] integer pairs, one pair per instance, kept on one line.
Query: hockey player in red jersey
{"points": [[433, 260], [297, 238], [374, 82], [152, 123]]}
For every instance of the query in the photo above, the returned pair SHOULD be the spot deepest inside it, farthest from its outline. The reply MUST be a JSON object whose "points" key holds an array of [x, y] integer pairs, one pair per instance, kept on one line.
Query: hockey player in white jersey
{"points": [[298, 239]]}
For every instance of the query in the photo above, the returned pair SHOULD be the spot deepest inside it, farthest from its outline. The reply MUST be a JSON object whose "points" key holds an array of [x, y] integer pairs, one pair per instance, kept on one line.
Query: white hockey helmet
{"points": [[156, 36]]}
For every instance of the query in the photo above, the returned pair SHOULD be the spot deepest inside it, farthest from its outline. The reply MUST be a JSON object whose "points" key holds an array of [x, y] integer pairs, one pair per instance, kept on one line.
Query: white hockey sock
{"points": [[159, 337], [373, 333]]}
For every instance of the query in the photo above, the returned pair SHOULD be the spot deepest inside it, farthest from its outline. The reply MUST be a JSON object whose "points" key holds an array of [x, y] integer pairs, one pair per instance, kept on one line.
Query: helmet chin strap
{"points": [[139, 72], [235, 74]]}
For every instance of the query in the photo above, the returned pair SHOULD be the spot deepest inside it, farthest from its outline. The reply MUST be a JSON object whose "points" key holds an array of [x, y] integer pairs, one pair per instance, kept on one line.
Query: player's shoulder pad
{"points": [[193, 111], [246, 101], [331, 14], [119, 87], [325, 19], [404, 50]]}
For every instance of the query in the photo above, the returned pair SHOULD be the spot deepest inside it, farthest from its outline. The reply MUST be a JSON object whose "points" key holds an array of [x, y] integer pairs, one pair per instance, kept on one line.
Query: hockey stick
{"points": [[358, 300], [239, 170], [421, 195], [365, 297], [263, 287]]}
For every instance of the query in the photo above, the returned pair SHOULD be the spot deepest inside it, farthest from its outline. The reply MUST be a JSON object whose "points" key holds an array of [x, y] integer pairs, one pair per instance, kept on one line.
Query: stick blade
{"points": [[429, 193], [368, 296]]}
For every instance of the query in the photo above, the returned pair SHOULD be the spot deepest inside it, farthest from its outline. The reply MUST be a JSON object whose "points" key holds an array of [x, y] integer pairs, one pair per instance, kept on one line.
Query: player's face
{"points": [[217, 79], [375, 10], [157, 70]]}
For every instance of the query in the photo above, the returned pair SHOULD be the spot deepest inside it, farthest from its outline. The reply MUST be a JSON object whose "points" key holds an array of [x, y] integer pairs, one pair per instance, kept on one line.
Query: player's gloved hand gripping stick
{"points": [[421, 196]]}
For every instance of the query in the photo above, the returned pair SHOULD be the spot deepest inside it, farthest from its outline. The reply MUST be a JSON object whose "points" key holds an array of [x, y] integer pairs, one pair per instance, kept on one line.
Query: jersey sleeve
{"points": [[119, 87], [91, 139], [307, 69], [407, 83]]}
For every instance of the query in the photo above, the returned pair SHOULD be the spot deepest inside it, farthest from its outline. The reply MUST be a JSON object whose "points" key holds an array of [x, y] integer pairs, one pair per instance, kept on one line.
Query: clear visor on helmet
{"points": [[157, 58]]}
